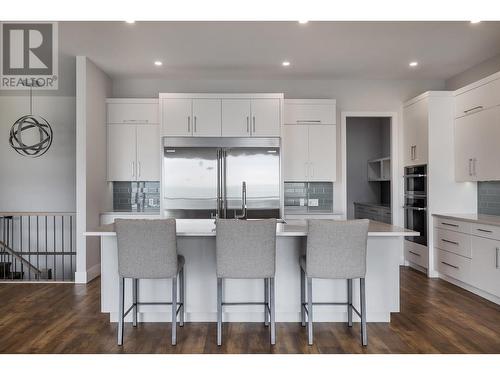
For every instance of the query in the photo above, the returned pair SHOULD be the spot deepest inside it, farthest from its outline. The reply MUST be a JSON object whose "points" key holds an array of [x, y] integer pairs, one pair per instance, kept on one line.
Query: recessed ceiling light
{"points": [[413, 64], [158, 63], [130, 21], [475, 21], [303, 22], [285, 63]]}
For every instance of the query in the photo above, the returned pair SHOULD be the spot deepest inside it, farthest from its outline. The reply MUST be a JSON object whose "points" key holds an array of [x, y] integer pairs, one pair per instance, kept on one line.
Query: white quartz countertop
{"points": [[473, 218], [206, 228]]}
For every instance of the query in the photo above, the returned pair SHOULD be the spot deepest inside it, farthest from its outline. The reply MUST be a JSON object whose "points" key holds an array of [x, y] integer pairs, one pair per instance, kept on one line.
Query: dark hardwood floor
{"points": [[435, 317]]}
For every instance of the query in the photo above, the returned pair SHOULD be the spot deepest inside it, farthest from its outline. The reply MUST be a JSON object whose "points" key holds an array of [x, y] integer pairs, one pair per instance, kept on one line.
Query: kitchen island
{"points": [[196, 242]]}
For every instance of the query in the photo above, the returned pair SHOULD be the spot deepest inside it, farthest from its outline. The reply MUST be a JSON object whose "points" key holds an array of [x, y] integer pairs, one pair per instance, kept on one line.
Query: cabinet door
{"points": [[148, 152], [415, 133], [121, 153], [486, 166], [265, 118], [485, 265], [176, 116], [206, 117], [322, 153], [295, 153], [482, 97], [236, 118], [466, 147], [133, 113]]}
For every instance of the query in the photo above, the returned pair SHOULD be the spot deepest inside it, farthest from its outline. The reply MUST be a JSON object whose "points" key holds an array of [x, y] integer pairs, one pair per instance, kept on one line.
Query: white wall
{"points": [[351, 95], [46, 183], [93, 192]]}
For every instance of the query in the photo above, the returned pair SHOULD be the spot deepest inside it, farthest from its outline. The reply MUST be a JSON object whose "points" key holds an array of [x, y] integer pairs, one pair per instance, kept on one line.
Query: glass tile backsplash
{"points": [[488, 198], [308, 197], [136, 196]]}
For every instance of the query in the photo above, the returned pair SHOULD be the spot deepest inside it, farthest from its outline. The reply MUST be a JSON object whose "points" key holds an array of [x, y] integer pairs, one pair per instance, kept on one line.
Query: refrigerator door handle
{"points": [[223, 183], [217, 215]]}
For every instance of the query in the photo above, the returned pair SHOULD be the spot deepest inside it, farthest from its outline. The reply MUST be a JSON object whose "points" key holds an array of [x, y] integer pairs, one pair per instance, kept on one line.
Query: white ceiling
{"points": [[316, 50]]}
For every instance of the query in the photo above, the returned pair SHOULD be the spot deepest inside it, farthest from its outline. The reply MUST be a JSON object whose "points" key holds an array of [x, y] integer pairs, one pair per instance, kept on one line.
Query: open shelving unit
{"points": [[379, 169]]}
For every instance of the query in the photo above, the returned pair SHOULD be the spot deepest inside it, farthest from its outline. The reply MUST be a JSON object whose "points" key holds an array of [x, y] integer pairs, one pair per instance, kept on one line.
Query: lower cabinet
{"points": [[465, 254], [416, 253]]}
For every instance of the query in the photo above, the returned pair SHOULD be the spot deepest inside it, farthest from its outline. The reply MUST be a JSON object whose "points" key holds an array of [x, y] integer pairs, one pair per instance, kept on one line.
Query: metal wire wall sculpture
{"points": [[35, 148]]}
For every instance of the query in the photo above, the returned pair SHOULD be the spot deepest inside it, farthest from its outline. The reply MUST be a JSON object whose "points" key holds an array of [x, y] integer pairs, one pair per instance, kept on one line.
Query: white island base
{"points": [[385, 254]]}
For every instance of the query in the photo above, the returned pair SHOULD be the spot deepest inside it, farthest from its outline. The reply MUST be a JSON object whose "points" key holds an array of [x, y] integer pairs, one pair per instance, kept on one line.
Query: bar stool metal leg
{"points": [[302, 297], [120, 309], [273, 311], [309, 312], [349, 302], [219, 311], [174, 310], [134, 301], [364, 335], [266, 302], [182, 296]]}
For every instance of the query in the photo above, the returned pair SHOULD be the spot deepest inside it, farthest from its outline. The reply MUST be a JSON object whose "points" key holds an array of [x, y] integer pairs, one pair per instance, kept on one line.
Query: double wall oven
{"points": [[415, 202]]}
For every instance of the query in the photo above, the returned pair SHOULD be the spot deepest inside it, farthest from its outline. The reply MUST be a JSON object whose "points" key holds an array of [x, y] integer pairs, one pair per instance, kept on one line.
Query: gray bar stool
{"points": [[335, 250], [147, 249], [247, 250]]}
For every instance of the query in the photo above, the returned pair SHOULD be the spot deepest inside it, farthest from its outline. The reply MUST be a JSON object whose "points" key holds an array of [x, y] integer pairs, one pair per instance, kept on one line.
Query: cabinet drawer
{"points": [[488, 231], [133, 113], [485, 263], [455, 242], [310, 114], [453, 265], [416, 253], [482, 97], [455, 225]]}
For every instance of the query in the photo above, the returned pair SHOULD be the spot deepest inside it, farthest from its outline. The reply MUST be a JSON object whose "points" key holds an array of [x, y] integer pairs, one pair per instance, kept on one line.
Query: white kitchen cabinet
{"points": [[485, 265], [265, 118], [477, 97], [133, 152], [206, 117], [121, 152], [310, 111], [476, 146], [132, 111], [322, 152], [236, 114], [309, 153], [148, 152], [415, 132], [295, 153], [177, 117]]}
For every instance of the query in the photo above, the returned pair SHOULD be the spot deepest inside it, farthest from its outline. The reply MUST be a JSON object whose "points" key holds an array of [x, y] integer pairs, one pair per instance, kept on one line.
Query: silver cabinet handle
{"points": [[248, 124], [308, 121], [496, 257], [133, 169], [448, 241], [139, 121], [253, 124], [415, 208], [195, 124], [450, 225], [450, 265], [411, 252], [138, 169], [470, 167], [189, 124], [415, 152], [411, 152], [473, 108], [474, 166], [484, 230], [306, 168]]}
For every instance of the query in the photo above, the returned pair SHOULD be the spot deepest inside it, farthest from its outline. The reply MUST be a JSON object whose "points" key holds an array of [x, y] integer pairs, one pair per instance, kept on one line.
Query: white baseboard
{"points": [[89, 275], [470, 288], [284, 317]]}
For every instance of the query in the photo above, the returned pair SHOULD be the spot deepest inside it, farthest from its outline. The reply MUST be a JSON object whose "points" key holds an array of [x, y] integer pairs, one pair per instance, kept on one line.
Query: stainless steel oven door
{"points": [[416, 219]]}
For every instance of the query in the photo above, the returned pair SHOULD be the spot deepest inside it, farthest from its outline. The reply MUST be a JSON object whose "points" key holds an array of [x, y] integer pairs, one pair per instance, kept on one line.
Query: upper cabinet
{"points": [[308, 111], [415, 131], [309, 142], [216, 115], [477, 130], [133, 138], [132, 111]]}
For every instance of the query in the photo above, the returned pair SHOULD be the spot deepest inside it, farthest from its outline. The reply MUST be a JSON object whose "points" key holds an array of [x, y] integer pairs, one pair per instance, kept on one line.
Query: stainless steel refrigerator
{"points": [[221, 177]]}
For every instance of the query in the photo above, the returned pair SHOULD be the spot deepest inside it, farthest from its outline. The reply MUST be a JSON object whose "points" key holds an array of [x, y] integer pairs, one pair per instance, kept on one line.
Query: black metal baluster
{"points": [[21, 243]]}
